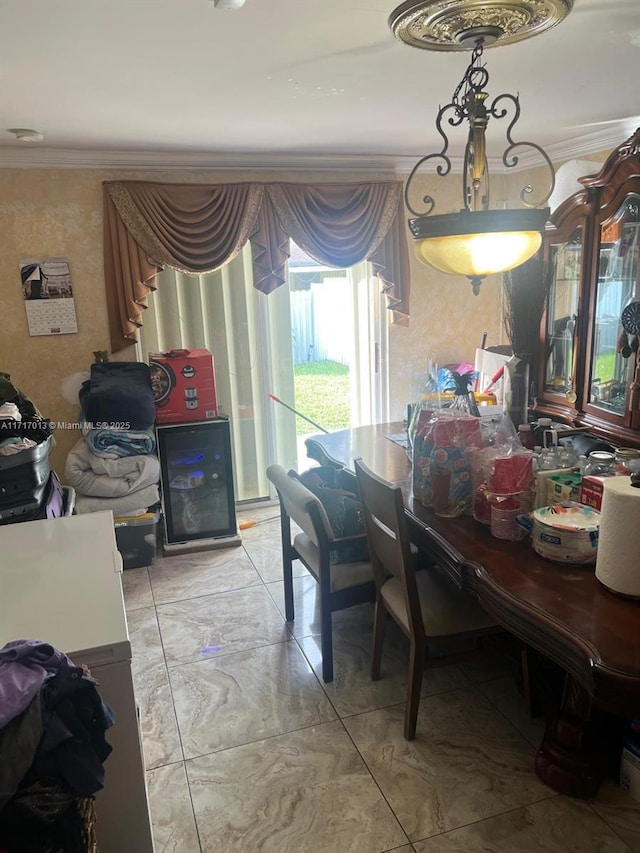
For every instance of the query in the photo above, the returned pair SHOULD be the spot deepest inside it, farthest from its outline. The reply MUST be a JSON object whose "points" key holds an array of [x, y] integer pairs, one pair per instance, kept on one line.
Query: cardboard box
{"points": [[563, 487], [184, 386], [591, 491], [136, 539]]}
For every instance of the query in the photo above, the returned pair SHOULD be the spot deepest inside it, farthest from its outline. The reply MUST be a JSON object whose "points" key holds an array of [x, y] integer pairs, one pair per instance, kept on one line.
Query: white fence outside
{"points": [[322, 322]]}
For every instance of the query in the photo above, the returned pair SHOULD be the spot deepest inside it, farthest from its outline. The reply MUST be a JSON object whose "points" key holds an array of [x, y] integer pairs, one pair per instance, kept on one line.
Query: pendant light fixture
{"points": [[477, 241]]}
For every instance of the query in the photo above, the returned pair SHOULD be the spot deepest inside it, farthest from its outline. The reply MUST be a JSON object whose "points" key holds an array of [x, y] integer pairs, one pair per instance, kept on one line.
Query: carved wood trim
{"points": [[600, 198]]}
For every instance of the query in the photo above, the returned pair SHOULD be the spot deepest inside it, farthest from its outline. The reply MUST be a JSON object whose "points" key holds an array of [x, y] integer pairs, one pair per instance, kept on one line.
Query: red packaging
{"points": [[184, 385], [511, 474], [441, 476], [457, 432], [591, 491]]}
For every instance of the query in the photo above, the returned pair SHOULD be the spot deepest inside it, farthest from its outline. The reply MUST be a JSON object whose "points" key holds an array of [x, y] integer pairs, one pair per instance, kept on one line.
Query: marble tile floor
{"points": [[247, 750]]}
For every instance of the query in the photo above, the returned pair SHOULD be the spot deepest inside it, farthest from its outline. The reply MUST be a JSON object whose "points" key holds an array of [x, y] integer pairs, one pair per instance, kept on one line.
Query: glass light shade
{"points": [[479, 255], [478, 243]]}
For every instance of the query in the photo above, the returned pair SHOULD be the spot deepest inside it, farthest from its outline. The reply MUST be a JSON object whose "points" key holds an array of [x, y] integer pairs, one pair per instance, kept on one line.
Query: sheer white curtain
{"points": [[249, 335], [370, 343]]}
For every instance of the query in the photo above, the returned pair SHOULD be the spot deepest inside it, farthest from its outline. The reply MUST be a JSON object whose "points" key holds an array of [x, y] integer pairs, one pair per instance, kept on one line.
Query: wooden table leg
{"points": [[568, 759]]}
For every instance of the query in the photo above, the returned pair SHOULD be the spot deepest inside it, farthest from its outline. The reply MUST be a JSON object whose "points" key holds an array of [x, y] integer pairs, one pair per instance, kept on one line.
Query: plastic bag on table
{"points": [[501, 433], [442, 473], [504, 467]]}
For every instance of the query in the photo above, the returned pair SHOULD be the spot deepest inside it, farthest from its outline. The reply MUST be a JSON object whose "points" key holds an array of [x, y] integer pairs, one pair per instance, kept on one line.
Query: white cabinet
{"points": [[60, 581]]}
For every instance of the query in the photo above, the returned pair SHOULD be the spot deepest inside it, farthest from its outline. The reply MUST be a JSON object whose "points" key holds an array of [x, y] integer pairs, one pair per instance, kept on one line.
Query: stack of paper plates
{"points": [[566, 533]]}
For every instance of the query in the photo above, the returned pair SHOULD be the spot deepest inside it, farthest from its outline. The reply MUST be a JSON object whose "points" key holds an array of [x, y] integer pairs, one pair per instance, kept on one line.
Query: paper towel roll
{"points": [[618, 560]]}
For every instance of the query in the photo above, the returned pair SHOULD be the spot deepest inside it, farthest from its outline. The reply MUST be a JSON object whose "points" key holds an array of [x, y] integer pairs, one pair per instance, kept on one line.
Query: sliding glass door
{"points": [[251, 337]]}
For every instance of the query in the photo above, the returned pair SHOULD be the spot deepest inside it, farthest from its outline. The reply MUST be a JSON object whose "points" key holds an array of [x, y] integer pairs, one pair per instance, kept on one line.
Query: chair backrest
{"points": [[388, 537], [301, 505]]}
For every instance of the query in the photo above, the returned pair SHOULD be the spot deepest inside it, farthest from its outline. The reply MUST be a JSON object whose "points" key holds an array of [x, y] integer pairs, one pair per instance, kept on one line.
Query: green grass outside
{"points": [[605, 366], [322, 394]]}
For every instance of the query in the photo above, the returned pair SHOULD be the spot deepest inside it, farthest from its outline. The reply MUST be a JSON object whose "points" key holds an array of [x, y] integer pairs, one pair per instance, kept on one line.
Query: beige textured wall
{"points": [[53, 213], [58, 213], [447, 320]]}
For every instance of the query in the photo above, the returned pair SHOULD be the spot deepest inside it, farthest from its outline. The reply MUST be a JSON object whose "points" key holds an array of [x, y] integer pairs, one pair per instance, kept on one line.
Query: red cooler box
{"points": [[184, 385]]}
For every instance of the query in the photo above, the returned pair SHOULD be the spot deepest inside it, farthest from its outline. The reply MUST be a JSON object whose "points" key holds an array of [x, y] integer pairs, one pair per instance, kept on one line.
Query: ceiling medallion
{"points": [[454, 24]]}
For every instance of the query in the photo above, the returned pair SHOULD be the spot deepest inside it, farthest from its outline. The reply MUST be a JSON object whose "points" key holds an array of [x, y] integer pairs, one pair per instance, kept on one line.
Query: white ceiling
{"points": [[289, 82]]}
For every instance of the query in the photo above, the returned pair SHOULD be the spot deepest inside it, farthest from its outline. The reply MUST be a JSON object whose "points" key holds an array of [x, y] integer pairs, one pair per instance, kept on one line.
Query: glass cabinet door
{"points": [[565, 261], [613, 354]]}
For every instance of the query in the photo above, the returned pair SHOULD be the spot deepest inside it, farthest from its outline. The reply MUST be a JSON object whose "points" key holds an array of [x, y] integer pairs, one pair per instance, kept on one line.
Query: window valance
{"points": [[196, 228]]}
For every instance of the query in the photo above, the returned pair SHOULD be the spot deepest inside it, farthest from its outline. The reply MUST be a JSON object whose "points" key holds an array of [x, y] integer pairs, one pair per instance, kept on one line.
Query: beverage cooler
{"points": [[196, 476]]}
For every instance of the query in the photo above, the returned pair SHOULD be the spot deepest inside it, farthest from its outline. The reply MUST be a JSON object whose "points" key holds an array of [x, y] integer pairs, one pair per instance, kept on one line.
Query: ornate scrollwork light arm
{"points": [[442, 169], [528, 189], [428, 201], [496, 113], [511, 160]]}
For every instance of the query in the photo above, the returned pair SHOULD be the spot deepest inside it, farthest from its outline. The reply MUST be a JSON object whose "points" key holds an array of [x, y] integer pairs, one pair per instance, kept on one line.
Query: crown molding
{"points": [[32, 157], [559, 152], [35, 156]]}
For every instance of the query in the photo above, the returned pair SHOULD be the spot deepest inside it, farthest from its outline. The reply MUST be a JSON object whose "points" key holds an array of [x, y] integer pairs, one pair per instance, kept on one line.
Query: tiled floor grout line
{"points": [[612, 828], [483, 819], [502, 714], [327, 696], [195, 819], [370, 772], [366, 766], [208, 594], [225, 749], [375, 781], [165, 764], [175, 714], [341, 720], [178, 664], [182, 749]]}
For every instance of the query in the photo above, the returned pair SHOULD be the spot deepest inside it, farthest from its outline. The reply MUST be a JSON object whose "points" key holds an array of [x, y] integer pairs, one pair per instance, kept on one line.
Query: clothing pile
{"points": [[29, 490], [114, 466], [52, 748]]}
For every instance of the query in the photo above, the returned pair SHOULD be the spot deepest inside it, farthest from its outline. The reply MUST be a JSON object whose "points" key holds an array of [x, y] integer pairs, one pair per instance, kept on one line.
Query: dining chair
{"points": [[342, 582], [425, 604]]}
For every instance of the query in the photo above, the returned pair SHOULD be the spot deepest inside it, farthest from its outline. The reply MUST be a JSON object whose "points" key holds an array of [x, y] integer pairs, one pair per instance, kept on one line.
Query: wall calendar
{"points": [[48, 296]]}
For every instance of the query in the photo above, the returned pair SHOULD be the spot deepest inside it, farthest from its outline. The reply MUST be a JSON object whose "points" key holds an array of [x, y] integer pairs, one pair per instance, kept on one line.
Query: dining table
{"points": [[560, 610]]}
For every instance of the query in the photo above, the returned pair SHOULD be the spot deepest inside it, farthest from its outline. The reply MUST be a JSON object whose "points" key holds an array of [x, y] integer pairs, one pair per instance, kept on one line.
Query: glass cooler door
{"points": [[197, 481]]}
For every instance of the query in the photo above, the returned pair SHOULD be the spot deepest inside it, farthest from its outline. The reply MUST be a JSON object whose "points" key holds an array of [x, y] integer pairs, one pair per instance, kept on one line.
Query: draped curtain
{"points": [[195, 229]]}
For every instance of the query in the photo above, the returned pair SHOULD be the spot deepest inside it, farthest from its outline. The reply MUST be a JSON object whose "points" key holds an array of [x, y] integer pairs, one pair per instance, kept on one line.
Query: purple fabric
{"points": [[24, 667]]}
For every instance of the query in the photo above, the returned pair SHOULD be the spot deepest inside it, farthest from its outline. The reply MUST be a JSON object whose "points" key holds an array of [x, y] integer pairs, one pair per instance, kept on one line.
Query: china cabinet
{"points": [[588, 359]]}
